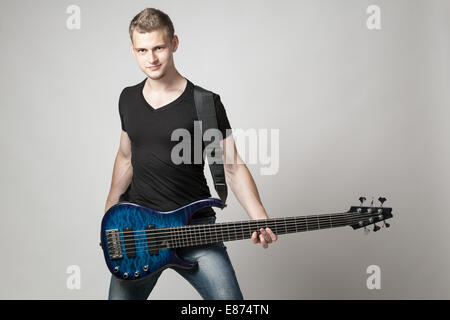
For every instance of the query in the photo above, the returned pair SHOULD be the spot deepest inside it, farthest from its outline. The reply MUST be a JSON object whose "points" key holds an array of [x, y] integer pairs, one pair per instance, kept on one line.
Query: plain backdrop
{"points": [[360, 113]]}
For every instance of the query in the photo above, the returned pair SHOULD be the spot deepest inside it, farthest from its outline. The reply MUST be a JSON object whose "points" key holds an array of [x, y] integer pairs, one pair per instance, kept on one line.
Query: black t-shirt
{"points": [[157, 182]]}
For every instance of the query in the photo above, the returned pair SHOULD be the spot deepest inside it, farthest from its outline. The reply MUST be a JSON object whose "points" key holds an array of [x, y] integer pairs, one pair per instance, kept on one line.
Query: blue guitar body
{"points": [[129, 252]]}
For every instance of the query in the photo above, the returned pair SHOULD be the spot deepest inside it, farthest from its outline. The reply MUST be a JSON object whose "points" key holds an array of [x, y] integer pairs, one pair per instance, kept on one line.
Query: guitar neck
{"points": [[192, 235]]}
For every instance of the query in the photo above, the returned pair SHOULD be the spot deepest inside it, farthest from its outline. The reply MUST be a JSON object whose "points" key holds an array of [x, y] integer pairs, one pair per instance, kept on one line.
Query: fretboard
{"points": [[192, 235]]}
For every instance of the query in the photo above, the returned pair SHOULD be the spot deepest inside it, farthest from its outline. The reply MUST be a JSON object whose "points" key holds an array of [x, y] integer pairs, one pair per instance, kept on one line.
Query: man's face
{"points": [[154, 49]]}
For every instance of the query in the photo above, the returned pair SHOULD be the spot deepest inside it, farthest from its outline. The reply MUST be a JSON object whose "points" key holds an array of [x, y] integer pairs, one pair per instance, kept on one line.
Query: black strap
{"points": [[206, 112]]}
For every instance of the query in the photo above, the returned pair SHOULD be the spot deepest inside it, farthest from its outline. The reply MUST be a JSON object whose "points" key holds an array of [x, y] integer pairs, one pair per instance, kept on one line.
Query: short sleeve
{"points": [[222, 120], [121, 110]]}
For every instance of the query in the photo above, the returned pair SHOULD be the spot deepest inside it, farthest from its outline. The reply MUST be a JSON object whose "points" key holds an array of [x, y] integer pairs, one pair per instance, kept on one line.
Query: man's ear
{"points": [[175, 43], [132, 49]]}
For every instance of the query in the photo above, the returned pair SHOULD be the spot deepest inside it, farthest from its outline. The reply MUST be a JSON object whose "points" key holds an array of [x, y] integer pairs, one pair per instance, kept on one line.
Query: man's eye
{"points": [[158, 48], [140, 50]]}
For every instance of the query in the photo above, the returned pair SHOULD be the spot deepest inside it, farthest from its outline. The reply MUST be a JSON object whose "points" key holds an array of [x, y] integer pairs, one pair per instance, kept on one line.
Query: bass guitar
{"points": [[138, 241]]}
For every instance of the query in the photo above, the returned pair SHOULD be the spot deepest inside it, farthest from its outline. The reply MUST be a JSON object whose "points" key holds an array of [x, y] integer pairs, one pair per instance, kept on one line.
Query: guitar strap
{"points": [[206, 112]]}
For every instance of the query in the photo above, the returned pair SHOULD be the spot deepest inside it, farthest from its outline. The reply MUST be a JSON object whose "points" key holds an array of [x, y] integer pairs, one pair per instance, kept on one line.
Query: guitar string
{"points": [[209, 238], [207, 228], [342, 214], [188, 229], [337, 214]]}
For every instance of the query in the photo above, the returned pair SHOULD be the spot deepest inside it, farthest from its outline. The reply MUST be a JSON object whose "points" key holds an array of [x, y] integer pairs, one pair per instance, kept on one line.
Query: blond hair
{"points": [[151, 19]]}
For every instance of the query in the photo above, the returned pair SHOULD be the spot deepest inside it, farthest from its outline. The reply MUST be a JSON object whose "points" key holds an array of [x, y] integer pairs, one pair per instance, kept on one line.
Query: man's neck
{"points": [[167, 83]]}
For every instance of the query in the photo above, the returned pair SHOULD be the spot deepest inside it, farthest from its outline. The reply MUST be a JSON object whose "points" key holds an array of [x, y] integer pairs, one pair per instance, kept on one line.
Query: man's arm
{"points": [[122, 173], [241, 182]]}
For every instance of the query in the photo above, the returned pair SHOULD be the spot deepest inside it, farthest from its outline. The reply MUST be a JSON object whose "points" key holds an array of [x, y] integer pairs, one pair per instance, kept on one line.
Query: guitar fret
{"points": [[205, 235], [233, 230], [181, 236], [203, 229], [192, 235], [251, 226], [210, 234], [196, 234], [173, 237], [215, 231], [186, 230], [175, 230]]}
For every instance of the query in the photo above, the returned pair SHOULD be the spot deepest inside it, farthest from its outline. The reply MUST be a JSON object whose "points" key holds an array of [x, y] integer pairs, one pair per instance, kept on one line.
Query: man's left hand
{"points": [[266, 236]]}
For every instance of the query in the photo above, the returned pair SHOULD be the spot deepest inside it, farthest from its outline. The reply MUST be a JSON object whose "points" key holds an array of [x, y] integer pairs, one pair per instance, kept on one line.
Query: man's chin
{"points": [[155, 76]]}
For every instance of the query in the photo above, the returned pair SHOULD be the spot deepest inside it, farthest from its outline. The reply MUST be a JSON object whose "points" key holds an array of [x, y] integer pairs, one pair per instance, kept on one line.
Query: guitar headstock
{"points": [[364, 216]]}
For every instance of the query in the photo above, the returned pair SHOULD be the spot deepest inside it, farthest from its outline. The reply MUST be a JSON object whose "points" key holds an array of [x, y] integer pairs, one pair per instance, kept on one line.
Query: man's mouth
{"points": [[154, 67]]}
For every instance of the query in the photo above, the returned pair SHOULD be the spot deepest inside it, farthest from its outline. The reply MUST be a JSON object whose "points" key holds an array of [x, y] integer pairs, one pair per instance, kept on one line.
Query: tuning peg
{"points": [[362, 199], [375, 227], [366, 231], [387, 225], [382, 200], [371, 202]]}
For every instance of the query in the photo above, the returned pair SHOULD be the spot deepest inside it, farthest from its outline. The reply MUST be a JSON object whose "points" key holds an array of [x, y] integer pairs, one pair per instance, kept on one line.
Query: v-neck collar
{"points": [[166, 106]]}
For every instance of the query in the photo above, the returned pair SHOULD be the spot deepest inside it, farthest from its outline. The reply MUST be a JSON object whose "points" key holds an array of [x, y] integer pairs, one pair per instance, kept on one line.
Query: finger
{"points": [[255, 237], [266, 235], [273, 236], [263, 241]]}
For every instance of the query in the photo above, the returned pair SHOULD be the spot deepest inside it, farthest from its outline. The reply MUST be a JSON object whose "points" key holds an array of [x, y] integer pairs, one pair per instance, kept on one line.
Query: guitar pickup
{"points": [[151, 243]]}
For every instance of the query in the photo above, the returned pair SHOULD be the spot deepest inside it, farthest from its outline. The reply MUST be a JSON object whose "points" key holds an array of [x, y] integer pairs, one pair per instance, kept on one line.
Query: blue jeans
{"points": [[214, 279]]}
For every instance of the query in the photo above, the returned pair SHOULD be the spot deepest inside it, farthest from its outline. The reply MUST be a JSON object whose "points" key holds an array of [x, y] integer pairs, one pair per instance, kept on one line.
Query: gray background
{"points": [[360, 113]]}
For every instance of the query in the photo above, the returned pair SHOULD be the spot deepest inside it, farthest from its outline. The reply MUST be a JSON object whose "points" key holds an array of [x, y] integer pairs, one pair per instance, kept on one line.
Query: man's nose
{"points": [[153, 57]]}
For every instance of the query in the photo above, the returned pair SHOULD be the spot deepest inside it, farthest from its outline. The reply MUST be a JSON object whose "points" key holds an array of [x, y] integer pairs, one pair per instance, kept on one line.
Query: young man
{"points": [[144, 173]]}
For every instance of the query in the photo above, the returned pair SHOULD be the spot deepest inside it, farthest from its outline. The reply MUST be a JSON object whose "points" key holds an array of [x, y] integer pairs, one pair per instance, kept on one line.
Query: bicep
{"points": [[125, 145]]}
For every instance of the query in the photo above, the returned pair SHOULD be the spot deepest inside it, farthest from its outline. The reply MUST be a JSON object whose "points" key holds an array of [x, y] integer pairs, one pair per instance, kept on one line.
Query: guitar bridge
{"points": [[113, 244]]}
